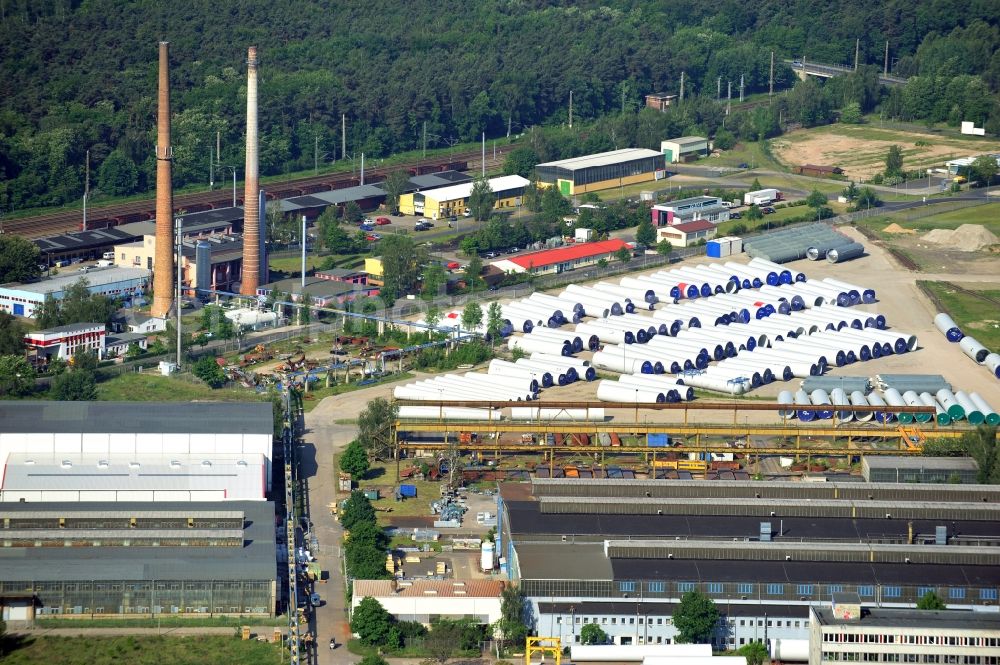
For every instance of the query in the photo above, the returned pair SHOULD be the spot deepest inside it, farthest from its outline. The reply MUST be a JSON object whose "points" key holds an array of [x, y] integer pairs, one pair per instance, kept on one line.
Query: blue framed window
{"points": [[835, 588], [956, 593], [744, 588], [684, 587], [775, 589], [924, 590], [804, 589], [866, 591], [715, 587], [656, 587], [987, 594], [893, 592], [626, 587]]}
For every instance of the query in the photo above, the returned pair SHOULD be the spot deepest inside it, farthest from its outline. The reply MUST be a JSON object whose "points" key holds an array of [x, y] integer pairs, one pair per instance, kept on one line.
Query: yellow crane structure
{"points": [[543, 645]]}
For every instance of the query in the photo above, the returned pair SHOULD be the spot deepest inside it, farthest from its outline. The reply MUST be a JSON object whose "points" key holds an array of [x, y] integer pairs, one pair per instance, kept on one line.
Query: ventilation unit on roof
{"points": [[765, 532], [940, 535]]}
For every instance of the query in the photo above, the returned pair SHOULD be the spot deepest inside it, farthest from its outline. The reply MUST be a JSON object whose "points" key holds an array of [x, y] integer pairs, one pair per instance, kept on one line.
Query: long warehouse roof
{"points": [[47, 417], [602, 159], [464, 190], [256, 560]]}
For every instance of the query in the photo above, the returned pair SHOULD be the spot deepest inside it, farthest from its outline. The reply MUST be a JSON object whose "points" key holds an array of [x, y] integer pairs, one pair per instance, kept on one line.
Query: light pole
{"points": [[177, 302], [233, 169]]}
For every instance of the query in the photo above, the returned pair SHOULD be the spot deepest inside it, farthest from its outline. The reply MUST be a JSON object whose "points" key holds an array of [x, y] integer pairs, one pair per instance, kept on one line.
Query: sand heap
{"points": [[966, 238], [896, 228]]}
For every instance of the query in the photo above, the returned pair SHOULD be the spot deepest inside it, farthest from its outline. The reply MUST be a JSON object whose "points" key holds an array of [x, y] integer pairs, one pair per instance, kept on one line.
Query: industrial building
{"points": [[690, 209], [686, 234], [311, 206], [322, 292], [605, 170], [24, 299], [442, 202], [139, 559], [424, 600], [685, 148], [222, 259], [562, 259], [763, 551], [63, 342], [210, 448], [660, 101], [920, 469], [879, 635]]}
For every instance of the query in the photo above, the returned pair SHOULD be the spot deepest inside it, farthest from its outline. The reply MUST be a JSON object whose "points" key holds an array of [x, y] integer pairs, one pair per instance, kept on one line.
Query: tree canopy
{"points": [[930, 601], [19, 257], [695, 618], [354, 460], [78, 305]]}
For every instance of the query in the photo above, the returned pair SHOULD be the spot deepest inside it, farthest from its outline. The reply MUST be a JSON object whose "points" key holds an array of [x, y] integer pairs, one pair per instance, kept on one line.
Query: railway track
{"points": [[38, 226]]}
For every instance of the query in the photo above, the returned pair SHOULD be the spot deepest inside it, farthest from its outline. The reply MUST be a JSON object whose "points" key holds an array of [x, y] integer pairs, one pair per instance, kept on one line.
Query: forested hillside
{"points": [[81, 75]]}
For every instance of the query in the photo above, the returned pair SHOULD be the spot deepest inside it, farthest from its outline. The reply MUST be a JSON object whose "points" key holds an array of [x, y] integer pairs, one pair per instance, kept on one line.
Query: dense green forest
{"points": [[78, 75]]}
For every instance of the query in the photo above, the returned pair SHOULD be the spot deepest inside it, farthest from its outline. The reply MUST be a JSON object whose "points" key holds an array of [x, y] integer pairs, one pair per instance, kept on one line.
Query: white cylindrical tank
{"points": [[858, 399], [612, 391], [789, 651], [544, 346], [893, 398], [447, 413], [973, 349], [991, 416], [616, 653], [785, 397]]}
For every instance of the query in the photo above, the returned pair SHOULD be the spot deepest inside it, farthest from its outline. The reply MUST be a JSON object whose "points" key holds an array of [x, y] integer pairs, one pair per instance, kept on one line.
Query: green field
{"points": [[157, 388], [987, 215], [138, 650], [977, 313], [316, 395]]}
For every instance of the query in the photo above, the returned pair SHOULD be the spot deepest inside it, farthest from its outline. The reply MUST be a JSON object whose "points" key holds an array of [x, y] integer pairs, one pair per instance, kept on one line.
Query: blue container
{"points": [[713, 249], [658, 440], [408, 491]]}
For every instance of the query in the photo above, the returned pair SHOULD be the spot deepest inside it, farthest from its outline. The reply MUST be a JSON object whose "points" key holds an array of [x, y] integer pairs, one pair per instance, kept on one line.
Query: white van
{"points": [[108, 256], [104, 263]]}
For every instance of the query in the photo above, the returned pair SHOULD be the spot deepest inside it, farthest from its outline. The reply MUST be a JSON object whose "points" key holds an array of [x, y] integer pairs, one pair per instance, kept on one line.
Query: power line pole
{"points": [[425, 139], [211, 169], [343, 136], [885, 67], [741, 88], [315, 155], [571, 109], [86, 190], [857, 51], [623, 98], [682, 87], [770, 77], [484, 154], [718, 88], [729, 96]]}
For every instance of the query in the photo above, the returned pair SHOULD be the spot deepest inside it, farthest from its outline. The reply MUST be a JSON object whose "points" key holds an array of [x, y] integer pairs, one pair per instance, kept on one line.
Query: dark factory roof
{"points": [[136, 417], [254, 561], [525, 517], [881, 617], [666, 609], [83, 240]]}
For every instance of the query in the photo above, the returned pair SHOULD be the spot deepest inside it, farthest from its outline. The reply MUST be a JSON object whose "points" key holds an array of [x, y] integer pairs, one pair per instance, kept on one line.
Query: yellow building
{"points": [[444, 202], [605, 170], [375, 271]]}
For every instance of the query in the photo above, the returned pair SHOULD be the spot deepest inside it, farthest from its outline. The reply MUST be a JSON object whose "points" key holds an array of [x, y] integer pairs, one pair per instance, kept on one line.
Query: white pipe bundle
{"points": [[617, 362], [500, 367], [518, 387], [866, 295], [433, 391], [560, 303], [447, 413], [612, 391], [541, 413], [559, 376], [715, 383], [531, 345], [660, 383], [560, 361], [858, 399], [607, 334]]}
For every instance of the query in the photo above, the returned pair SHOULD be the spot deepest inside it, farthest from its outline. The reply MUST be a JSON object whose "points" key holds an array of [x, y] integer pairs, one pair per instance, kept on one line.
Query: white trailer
{"points": [[761, 197]]}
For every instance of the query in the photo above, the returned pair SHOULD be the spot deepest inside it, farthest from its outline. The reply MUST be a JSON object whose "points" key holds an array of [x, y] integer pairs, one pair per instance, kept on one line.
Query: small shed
{"points": [[818, 171]]}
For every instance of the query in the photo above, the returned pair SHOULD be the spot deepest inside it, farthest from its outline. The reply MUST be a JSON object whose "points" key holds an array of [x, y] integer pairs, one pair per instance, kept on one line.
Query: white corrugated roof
{"points": [[604, 158], [462, 191], [241, 477]]}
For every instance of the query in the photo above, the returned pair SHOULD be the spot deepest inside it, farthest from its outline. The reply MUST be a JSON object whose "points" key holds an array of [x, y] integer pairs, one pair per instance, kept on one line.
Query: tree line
{"points": [[78, 77]]}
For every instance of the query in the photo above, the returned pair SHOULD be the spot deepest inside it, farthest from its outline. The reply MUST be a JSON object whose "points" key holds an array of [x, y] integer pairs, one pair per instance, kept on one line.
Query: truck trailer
{"points": [[761, 197]]}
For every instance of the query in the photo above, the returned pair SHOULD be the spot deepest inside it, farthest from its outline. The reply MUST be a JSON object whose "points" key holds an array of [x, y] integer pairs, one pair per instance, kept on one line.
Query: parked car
{"points": [[315, 600], [373, 237], [767, 210], [734, 215], [453, 265], [491, 255], [382, 221], [420, 226], [513, 250], [743, 165], [367, 227]]}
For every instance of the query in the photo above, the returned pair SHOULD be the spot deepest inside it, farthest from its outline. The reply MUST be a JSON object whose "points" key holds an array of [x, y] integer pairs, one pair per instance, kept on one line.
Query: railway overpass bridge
{"points": [[803, 69]]}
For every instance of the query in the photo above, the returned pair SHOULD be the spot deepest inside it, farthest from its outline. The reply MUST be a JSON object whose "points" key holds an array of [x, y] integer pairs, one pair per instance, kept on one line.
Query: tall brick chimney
{"points": [[251, 210], [163, 262]]}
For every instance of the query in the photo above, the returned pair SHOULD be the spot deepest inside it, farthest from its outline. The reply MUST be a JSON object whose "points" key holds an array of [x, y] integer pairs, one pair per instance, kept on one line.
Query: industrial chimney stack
{"points": [[251, 210], [163, 262]]}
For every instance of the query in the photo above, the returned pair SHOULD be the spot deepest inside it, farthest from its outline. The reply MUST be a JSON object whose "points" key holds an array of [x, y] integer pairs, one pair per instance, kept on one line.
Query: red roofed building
{"points": [[570, 257], [685, 235]]}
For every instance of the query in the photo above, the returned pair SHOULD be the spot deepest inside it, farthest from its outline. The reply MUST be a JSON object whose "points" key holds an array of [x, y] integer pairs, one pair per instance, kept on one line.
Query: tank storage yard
{"points": [[707, 367]]}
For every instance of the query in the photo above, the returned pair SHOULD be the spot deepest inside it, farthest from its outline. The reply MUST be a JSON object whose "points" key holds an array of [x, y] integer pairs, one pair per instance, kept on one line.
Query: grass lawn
{"points": [[747, 152], [140, 650], [383, 476], [292, 265], [975, 312], [157, 388], [988, 215]]}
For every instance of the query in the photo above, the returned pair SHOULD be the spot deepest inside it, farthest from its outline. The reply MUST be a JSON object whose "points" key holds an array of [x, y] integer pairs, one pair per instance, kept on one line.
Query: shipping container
{"points": [[658, 440], [408, 491], [371, 493]]}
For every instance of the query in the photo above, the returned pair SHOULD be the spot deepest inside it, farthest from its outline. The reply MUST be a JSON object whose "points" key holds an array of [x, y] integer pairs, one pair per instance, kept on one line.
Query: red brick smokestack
{"points": [[163, 262], [251, 210]]}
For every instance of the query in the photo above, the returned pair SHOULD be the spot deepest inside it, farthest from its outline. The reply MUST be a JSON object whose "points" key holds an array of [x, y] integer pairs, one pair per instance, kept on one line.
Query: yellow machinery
{"points": [[681, 464], [543, 645]]}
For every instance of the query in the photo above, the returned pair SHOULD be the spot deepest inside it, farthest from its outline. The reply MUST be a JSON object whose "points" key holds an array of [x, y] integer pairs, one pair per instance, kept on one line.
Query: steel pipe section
{"points": [[540, 345], [913, 399], [612, 391], [992, 363], [881, 416], [972, 348], [576, 341], [715, 383], [616, 362], [662, 383], [858, 399], [989, 414], [541, 413], [503, 368], [845, 253], [560, 303], [893, 398], [447, 413], [972, 412], [940, 415]]}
